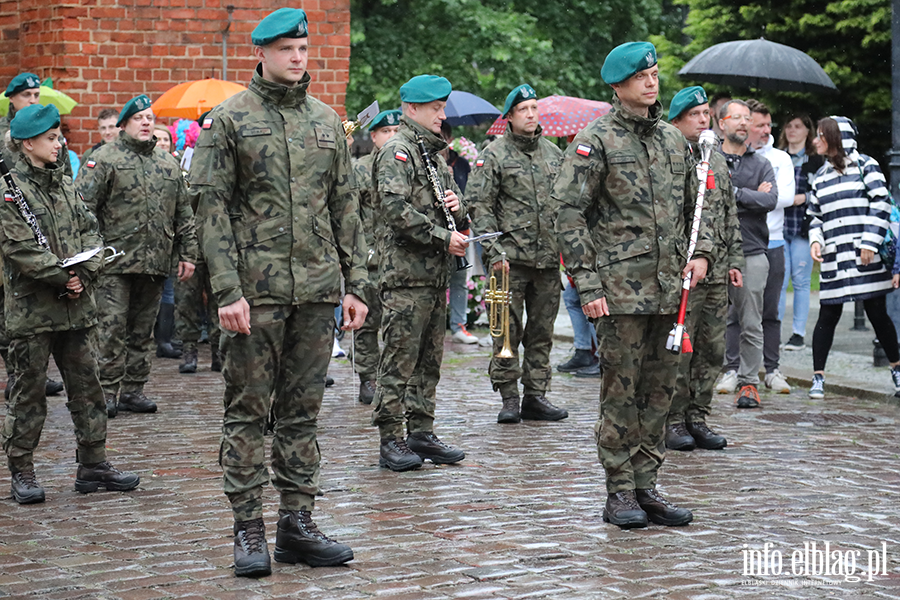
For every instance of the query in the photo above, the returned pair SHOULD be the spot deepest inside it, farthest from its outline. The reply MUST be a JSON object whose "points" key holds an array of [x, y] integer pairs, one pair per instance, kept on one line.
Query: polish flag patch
{"points": [[91, 164], [402, 156], [479, 162], [207, 123], [9, 197], [583, 150]]}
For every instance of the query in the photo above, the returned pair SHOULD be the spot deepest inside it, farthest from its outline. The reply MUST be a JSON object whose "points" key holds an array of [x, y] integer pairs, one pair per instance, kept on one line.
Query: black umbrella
{"points": [[758, 64]]}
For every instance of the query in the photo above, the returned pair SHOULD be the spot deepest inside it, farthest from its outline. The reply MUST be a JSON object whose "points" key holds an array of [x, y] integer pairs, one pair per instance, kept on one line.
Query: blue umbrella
{"points": [[464, 108]]}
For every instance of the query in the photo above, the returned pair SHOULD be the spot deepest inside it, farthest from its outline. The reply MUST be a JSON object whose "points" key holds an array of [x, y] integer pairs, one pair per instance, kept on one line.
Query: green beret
{"points": [[626, 60], [386, 118], [135, 105], [22, 82], [687, 98], [283, 23], [519, 94], [33, 120], [425, 88]]}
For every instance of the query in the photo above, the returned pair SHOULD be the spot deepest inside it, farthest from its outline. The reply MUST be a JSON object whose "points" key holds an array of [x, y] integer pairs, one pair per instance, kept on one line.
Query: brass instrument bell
{"points": [[499, 300]]}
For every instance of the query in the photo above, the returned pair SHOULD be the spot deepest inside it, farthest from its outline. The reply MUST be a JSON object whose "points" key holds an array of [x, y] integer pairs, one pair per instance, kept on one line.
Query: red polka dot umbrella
{"points": [[561, 116]]}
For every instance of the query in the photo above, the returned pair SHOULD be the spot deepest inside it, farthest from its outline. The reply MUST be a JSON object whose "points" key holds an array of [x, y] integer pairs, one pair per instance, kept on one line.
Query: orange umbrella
{"points": [[191, 99]]}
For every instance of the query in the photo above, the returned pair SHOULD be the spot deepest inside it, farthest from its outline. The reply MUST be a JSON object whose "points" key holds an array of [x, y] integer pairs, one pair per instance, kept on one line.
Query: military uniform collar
{"points": [[525, 143], [276, 93], [636, 123], [409, 128], [137, 146], [45, 177]]}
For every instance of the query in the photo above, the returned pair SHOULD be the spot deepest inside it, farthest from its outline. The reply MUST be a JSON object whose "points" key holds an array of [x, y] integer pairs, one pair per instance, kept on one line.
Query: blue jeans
{"points": [[798, 266], [459, 298], [584, 333]]}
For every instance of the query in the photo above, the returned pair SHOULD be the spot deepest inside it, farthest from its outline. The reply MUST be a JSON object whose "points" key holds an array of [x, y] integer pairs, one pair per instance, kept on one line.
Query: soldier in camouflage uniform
{"points": [[708, 302], [368, 354], [626, 192], [509, 191], [140, 199], [51, 310], [414, 253], [279, 222]]}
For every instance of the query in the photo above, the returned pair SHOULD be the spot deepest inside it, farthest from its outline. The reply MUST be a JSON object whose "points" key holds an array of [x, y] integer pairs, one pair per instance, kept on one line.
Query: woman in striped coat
{"points": [[850, 207]]}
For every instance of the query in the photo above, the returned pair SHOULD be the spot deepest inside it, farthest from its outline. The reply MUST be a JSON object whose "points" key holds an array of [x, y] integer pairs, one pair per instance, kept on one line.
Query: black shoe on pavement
{"points": [[90, 478], [136, 402], [661, 511], [52, 388], [188, 361], [538, 408], [26, 489], [112, 408], [167, 350], [367, 391], [299, 540], [10, 382], [580, 360], [510, 411], [251, 552], [705, 437], [591, 372], [216, 363], [396, 456], [328, 381], [428, 446], [678, 438], [795, 343], [623, 510]]}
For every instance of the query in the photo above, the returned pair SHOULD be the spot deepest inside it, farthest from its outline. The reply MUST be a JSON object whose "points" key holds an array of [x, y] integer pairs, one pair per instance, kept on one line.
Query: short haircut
{"points": [[723, 110], [758, 107], [719, 96], [107, 113]]}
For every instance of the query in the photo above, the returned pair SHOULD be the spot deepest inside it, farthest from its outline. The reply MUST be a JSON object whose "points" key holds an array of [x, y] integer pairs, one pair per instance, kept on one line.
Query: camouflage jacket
{"points": [[720, 213], [278, 210], [33, 276], [412, 248], [141, 203], [509, 190], [627, 191], [362, 174]]}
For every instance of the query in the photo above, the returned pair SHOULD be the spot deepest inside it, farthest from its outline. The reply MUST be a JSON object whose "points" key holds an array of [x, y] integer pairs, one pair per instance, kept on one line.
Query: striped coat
{"points": [[850, 211]]}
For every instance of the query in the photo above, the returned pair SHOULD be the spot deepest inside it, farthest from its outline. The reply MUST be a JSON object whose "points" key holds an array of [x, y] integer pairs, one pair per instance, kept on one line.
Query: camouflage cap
{"points": [[133, 106], [386, 118], [687, 98], [22, 82], [284, 22], [519, 94], [627, 59], [33, 120], [425, 88]]}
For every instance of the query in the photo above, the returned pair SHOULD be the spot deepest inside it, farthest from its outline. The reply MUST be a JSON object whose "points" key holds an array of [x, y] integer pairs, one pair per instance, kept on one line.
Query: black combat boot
{"points": [[26, 489], [510, 411], [188, 360], [538, 408], [661, 511], [367, 391], [164, 331], [216, 362], [678, 438], [90, 478], [428, 446], [396, 456], [52, 388], [251, 552], [592, 372], [705, 437], [299, 540], [329, 381], [136, 402], [112, 408], [580, 360], [623, 510]]}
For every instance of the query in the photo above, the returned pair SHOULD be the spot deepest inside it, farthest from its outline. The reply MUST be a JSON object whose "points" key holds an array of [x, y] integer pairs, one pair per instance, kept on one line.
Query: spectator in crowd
{"points": [[584, 363], [109, 131]]}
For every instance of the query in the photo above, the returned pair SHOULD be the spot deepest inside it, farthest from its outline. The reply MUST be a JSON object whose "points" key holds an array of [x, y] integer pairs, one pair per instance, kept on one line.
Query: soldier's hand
{"points": [[596, 309], [355, 311], [736, 277], [458, 244], [451, 200], [236, 316], [815, 251], [501, 264], [74, 287], [698, 267], [185, 270]]}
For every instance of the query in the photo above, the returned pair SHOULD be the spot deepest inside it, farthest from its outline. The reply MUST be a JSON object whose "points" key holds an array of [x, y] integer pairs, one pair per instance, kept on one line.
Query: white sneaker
{"points": [[337, 351], [728, 383], [776, 382], [486, 342], [464, 337]]}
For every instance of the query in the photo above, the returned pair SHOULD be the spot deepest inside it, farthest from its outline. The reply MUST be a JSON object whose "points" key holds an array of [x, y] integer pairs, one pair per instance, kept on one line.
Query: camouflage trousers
{"points": [[74, 355], [537, 292], [189, 308], [127, 305], [4, 338], [368, 352], [413, 324], [281, 363], [637, 387], [708, 305]]}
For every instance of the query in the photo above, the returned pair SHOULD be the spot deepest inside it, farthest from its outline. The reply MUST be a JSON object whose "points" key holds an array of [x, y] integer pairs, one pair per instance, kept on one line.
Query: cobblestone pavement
{"points": [[519, 518]]}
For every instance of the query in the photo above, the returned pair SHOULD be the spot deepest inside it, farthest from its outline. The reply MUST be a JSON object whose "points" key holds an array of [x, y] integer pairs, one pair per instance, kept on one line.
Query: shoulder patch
{"points": [[207, 123], [584, 150], [479, 162], [9, 197], [401, 156], [91, 164]]}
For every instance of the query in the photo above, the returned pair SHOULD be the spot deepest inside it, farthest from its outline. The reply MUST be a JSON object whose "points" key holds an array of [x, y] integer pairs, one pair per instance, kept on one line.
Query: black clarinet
{"points": [[23, 207], [439, 193]]}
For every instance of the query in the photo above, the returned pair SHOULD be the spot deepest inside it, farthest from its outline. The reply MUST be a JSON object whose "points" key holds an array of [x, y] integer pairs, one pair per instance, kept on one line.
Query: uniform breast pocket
{"points": [[622, 172], [326, 138], [676, 164]]}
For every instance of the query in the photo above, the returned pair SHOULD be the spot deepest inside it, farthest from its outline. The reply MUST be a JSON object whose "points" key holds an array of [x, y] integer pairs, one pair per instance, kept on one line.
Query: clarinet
{"points": [[23, 207], [434, 178]]}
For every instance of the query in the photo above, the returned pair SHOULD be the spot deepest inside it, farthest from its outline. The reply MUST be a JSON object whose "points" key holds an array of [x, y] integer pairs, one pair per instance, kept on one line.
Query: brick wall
{"points": [[104, 52]]}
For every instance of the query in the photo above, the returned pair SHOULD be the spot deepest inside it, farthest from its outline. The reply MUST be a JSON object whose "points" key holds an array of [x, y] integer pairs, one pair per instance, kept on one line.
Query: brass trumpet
{"points": [[499, 315]]}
